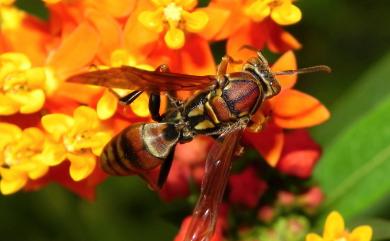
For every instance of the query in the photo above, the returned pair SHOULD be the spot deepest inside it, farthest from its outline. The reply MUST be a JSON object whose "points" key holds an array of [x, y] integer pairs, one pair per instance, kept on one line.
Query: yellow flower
{"points": [[20, 156], [6, 2], [282, 12], [108, 103], [175, 17], [80, 139], [21, 86], [10, 16], [334, 230]]}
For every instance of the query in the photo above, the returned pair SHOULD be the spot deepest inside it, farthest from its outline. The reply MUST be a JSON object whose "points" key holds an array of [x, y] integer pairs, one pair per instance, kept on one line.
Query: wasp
{"points": [[222, 107]]}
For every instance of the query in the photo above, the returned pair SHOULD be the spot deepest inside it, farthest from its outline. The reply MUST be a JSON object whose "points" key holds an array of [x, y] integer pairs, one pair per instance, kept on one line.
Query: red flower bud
{"points": [[300, 154]]}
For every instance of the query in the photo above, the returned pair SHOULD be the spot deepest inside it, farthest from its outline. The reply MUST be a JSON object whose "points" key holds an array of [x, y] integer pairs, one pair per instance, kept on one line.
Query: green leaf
{"points": [[371, 89], [354, 171]]}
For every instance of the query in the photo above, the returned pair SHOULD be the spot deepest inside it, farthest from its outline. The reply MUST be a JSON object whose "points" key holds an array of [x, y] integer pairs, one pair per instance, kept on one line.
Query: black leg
{"points": [[128, 99], [154, 107], [165, 168]]}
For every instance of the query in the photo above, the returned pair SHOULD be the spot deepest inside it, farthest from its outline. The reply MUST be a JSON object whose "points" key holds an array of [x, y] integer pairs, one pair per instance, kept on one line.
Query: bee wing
{"points": [[218, 166], [127, 77]]}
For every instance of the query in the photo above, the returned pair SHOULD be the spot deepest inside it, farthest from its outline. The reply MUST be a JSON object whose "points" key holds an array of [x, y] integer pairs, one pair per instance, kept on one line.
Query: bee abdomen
{"points": [[134, 150]]}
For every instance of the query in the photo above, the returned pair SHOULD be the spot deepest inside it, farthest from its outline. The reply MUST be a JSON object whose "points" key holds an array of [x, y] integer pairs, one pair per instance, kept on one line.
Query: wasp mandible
{"points": [[222, 108]]}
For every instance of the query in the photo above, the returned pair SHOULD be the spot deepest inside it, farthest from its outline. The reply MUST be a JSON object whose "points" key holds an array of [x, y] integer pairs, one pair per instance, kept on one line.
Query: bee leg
{"points": [[165, 168], [128, 99]]}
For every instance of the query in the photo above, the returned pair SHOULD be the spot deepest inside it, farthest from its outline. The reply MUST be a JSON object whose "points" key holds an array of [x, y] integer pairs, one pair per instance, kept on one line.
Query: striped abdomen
{"points": [[138, 148]]}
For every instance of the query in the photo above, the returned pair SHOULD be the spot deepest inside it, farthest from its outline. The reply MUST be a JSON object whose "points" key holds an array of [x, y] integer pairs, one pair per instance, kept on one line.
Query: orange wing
{"points": [[127, 77], [214, 182]]}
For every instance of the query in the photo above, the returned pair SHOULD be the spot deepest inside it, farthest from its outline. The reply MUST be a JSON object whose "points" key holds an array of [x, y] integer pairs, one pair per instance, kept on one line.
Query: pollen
{"points": [[172, 12]]}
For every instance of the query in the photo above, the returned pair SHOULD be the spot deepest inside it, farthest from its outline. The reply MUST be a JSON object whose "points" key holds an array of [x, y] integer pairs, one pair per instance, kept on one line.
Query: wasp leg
{"points": [[222, 68], [165, 168], [155, 99], [154, 107], [128, 99], [162, 68]]}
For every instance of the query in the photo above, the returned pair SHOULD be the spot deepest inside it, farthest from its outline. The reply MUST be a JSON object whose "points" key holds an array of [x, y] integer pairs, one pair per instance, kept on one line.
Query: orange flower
{"points": [[291, 109], [186, 29], [256, 23]]}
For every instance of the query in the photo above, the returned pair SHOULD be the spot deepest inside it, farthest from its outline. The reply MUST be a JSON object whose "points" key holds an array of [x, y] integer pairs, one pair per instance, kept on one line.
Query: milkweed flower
{"points": [[21, 86], [174, 17], [108, 103], [283, 12], [334, 230], [20, 156], [258, 23], [80, 139]]}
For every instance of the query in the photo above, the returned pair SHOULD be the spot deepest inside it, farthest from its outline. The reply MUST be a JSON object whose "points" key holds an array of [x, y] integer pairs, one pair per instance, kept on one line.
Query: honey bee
{"points": [[222, 108]]}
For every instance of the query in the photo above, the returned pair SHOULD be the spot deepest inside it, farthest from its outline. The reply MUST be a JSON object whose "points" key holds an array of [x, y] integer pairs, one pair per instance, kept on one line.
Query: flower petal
{"points": [[76, 50], [248, 34], [152, 20], [52, 154], [174, 38], [269, 142], [9, 133], [294, 109], [117, 9], [286, 14], [39, 171], [218, 18], [361, 233], [8, 106], [286, 62], [15, 60], [140, 105], [195, 21], [11, 181], [81, 165], [109, 31], [57, 124], [334, 226], [35, 77], [145, 39], [313, 237], [37, 100], [279, 40], [258, 10], [97, 147], [107, 105], [188, 4], [85, 118], [300, 154]]}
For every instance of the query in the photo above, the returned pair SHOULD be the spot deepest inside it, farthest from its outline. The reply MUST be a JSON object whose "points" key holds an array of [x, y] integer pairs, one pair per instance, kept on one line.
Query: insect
{"points": [[222, 107]]}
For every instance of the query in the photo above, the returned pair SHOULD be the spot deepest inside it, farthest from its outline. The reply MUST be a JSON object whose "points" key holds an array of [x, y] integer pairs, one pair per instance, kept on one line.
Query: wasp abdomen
{"points": [[138, 148]]}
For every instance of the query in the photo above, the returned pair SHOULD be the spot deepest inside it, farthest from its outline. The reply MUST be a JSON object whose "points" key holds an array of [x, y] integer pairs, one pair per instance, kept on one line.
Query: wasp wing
{"points": [[218, 166], [127, 77]]}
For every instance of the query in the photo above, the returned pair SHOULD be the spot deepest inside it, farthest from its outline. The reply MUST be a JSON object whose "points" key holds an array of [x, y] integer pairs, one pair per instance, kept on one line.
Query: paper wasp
{"points": [[222, 107]]}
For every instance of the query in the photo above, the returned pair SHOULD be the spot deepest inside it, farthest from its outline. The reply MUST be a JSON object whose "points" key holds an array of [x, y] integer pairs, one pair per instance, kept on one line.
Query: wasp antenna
{"points": [[249, 47], [318, 68]]}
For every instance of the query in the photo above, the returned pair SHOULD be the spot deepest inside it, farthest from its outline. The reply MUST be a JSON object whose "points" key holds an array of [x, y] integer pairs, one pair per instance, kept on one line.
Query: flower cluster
{"points": [[52, 130]]}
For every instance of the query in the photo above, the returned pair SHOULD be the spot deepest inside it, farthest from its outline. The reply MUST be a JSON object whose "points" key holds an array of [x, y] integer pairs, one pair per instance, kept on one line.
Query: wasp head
{"points": [[258, 66]]}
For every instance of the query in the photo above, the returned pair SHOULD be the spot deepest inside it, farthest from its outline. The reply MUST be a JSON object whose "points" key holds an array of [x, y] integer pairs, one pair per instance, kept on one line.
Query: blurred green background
{"points": [[351, 36]]}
